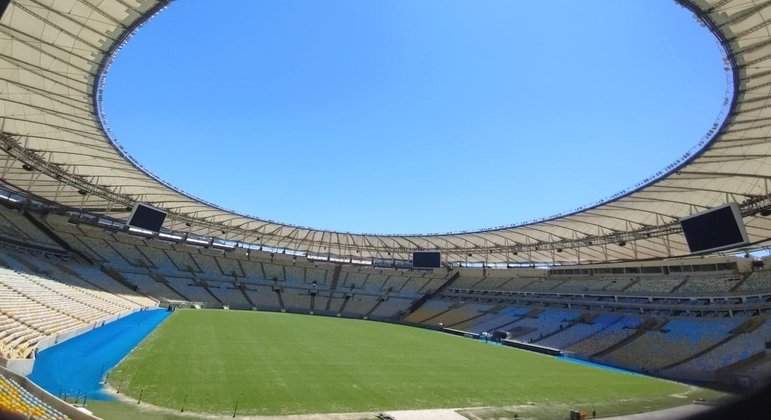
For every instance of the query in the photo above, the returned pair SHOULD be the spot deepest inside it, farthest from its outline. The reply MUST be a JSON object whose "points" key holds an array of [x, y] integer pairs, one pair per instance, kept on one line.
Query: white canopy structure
{"points": [[55, 147]]}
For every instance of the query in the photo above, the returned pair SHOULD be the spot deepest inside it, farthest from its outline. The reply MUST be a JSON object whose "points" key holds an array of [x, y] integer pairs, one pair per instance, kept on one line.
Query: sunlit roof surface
{"points": [[53, 54]]}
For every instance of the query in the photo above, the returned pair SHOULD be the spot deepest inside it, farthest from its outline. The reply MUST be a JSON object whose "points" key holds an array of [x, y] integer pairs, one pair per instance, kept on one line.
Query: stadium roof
{"points": [[55, 53]]}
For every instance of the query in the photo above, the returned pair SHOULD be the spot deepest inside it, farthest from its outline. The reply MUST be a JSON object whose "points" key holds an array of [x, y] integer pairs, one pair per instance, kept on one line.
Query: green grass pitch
{"points": [[273, 364]]}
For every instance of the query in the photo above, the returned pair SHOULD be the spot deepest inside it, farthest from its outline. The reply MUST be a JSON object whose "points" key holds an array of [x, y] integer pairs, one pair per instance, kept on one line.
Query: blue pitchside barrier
{"points": [[78, 366]]}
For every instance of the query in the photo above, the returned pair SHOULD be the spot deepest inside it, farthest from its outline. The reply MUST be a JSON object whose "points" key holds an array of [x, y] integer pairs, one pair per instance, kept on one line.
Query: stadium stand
{"points": [[578, 331], [606, 337], [469, 282], [674, 341], [497, 321], [274, 272], [757, 281], [104, 282], [14, 225], [159, 258], [183, 261], [742, 346], [295, 274], [97, 248], [650, 284], [132, 254], [375, 283], [333, 306], [709, 284], [19, 395], [63, 270], [320, 305], [252, 269], [533, 328], [296, 300], [15, 399], [394, 282], [207, 262], [518, 283], [390, 308], [543, 285], [619, 284], [603, 314], [263, 297], [230, 266], [431, 285], [145, 283], [230, 294], [186, 288], [463, 313], [318, 276], [414, 283], [431, 309], [582, 285], [359, 305], [34, 308]]}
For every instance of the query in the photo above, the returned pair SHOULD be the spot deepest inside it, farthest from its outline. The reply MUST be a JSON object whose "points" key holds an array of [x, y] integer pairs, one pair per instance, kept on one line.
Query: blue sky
{"points": [[413, 116]]}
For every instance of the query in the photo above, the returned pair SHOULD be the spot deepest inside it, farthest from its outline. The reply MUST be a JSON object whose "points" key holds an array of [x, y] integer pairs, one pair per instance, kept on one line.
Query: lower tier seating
{"points": [[15, 399]]}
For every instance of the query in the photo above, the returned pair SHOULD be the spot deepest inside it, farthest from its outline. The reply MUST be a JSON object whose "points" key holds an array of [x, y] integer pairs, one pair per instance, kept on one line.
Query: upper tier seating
{"points": [[708, 284], [16, 226], [655, 284], [183, 261], [758, 280], [230, 267], [415, 282], [132, 254], [96, 248], [159, 258], [582, 285]]}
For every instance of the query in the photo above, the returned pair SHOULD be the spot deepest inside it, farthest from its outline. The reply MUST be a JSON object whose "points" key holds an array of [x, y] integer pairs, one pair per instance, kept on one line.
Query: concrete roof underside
{"points": [[54, 53]]}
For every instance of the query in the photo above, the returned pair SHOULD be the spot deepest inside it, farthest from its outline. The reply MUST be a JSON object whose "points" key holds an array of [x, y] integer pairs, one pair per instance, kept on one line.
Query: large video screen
{"points": [[3, 6], [146, 217], [425, 259], [715, 229]]}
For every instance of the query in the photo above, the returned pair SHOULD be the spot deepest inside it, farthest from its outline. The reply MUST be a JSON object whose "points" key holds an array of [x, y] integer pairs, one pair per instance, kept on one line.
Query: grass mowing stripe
{"points": [[274, 363]]}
